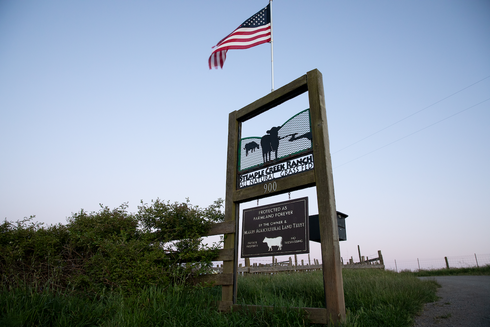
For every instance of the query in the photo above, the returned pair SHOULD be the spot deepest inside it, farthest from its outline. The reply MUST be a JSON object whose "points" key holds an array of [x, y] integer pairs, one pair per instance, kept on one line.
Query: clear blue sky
{"points": [[112, 101]]}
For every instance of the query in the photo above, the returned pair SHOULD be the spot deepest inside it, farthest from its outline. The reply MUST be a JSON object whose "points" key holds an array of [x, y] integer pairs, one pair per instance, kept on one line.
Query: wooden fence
{"points": [[289, 266]]}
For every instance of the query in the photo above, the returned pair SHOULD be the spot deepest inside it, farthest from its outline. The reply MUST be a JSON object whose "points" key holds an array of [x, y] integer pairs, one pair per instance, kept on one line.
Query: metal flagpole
{"points": [[272, 51]]}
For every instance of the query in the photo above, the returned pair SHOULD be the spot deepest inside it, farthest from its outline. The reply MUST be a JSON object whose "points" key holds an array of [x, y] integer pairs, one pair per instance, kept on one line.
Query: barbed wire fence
{"points": [[466, 261]]}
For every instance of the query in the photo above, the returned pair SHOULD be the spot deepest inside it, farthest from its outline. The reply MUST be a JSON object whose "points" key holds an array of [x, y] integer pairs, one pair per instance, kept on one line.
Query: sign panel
{"points": [[276, 229], [282, 151]]}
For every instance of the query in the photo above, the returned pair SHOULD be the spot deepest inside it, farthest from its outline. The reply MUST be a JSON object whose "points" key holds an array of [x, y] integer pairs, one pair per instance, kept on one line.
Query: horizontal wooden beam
{"points": [[214, 279], [283, 185], [281, 268], [275, 98], [225, 255], [227, 227], [361, 266], [314, 315]]}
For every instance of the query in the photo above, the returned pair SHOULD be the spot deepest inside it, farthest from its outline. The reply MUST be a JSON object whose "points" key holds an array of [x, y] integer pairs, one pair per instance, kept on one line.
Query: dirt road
{"points": [[464, 301]]}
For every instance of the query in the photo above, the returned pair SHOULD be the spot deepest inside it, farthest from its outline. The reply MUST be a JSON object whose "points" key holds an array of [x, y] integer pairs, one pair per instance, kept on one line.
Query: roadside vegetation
{"points": [[114, 268], [373, 297], [473, 271]]}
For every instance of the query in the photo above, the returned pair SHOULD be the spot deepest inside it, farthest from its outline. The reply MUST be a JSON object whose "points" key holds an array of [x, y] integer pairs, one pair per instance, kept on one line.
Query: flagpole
{"points": [[272, 51]]}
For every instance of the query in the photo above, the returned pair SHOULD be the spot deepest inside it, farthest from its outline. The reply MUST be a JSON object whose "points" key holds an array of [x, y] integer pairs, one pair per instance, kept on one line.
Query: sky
{"points": [[112, 102]]}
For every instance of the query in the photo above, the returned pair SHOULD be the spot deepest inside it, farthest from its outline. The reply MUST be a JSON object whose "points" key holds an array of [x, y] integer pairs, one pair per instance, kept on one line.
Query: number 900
{"points": [[270, 187]]}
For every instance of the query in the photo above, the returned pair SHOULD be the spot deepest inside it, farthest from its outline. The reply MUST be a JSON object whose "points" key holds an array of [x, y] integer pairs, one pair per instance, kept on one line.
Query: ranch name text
{"points": [[288, 168]]}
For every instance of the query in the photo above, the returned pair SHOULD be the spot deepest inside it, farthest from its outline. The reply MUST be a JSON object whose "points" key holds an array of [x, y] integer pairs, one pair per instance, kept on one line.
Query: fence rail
{"points": [[295, 266]]}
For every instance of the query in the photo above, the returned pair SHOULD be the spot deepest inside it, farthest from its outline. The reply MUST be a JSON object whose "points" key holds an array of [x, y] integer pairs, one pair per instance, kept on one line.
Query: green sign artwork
{"points": [[282, 151]]}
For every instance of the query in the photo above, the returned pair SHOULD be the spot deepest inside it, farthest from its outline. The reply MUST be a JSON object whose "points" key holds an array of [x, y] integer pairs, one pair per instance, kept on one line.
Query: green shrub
{"points": [[112, 248]]}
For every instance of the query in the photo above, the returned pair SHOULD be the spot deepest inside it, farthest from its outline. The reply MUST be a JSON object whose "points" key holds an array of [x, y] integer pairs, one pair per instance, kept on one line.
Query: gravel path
{"points": [[464, 301]]}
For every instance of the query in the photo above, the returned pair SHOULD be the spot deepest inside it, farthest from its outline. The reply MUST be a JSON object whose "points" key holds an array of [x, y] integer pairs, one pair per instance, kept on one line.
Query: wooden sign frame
{"points": [[321, 177]]}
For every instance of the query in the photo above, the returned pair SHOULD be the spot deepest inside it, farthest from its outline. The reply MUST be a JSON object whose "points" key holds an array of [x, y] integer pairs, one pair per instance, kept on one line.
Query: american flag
{"points": [[254, 31]]}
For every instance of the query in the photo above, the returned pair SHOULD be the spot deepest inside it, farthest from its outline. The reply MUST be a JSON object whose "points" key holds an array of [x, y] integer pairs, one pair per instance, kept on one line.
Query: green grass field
{"points": [[373, 298]]}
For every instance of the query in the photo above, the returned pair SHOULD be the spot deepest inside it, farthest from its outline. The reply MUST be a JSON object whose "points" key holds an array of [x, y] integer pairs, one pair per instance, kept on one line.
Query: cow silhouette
{"points": [[270, 143], [276, 241], [250, 147]]}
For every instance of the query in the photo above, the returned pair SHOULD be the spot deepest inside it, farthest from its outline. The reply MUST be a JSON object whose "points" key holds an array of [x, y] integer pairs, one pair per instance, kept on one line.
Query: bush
{"points": [[110, 249]]}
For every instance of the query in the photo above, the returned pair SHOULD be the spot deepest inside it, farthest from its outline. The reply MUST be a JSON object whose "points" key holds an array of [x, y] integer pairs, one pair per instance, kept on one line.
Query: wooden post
{"points": [[290, 262], [359, 250], [309, 262], [380, 256], [477, 266], [295, 260], [327, 213], [273, 261], [447, 263], [228, 292]]}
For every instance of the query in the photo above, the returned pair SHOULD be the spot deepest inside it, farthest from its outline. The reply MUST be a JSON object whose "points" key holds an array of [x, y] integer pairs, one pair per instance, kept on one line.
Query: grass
{"points": [[150, 307], [470, 271], [373, 298]]}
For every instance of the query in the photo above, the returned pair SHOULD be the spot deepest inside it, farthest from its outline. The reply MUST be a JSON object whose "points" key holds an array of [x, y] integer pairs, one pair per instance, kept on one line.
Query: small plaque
{"points": [[276, 229]]}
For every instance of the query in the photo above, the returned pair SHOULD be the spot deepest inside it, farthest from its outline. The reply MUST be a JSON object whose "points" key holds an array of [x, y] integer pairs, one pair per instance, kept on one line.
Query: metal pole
{"points": [[272, 51]]}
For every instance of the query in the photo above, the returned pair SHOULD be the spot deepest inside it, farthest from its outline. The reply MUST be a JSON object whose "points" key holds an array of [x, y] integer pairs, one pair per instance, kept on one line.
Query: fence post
{"points": [[380, 257], [296, 260], [477, 266], [447, 263], [396, 267], [418, 262]]}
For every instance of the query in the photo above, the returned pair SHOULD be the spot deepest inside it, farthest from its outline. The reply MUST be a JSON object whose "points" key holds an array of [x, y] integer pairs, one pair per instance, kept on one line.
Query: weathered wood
{"points": [[380, 257], [327, 213], [284, 185], [225, 306], [229, 292], [314, 315], [227, 227], [363, 267], [283, 94], [291, 269], [225, 255], [274, 269], [214, 279]]}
